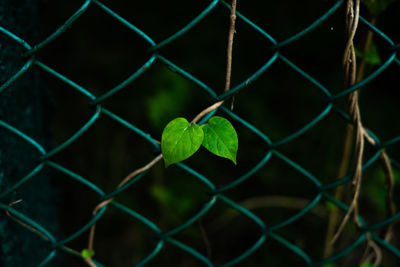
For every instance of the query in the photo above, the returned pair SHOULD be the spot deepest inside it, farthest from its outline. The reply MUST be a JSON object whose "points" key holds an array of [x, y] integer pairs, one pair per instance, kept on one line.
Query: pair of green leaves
{"points": [[181, 139]]}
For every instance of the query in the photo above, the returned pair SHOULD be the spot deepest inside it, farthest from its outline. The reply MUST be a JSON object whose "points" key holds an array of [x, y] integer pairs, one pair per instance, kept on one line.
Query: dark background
{"points": [[98, 53]]}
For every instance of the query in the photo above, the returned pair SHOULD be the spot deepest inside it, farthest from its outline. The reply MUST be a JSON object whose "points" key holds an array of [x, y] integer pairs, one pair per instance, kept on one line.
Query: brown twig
{"points": [[350, 67], [346, 152], [390, 211], [90, 262], [30, 228], [206, 111], [343, 168], [108, 201], [390, 206], [228, 64], [375, 252], [197, 118], [230, 46]]}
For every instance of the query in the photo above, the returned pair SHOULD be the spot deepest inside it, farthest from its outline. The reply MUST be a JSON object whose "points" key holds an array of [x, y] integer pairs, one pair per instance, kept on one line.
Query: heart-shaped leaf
{"points": [[220, 138], [180, 140]]}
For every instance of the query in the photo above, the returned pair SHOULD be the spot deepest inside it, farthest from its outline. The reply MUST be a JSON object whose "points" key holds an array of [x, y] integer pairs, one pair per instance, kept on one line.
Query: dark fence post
{"points": [[25, 106]]}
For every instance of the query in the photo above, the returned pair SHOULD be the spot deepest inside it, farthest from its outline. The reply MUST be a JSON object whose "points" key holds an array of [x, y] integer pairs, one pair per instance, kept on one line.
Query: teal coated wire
{"points": [[22, 135], [22, 181], [20, 41], [254, 218], [254, 76], [245, 254], [76, 176], [343, 252], [130, 126], [61, 29], [125, 22], [136, 215], [348, 177], [305, 75], [151, 255], [249, 126], [383, 223], [292, 247], [75, 136], [391, 142], [251, 24], [189, 222], [377, 31], [190, 250], [311, 27], [185, 74], [148, 223], [124, 187], [197, 175], [49, 257], [297, 167], [83, 229], [16, 76], [245, 176], [366, 80], [29, 221], [189, 26], [61, 77], [298, 215], [386, 245], [125, 83], [304, 129]]}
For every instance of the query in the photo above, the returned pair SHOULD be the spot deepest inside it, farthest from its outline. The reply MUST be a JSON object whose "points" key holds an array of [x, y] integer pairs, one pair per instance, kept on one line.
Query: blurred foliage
{"points": [[170, 200], [371, 56], [170, 89], [331, 206], [375, 189], [376, 7]]}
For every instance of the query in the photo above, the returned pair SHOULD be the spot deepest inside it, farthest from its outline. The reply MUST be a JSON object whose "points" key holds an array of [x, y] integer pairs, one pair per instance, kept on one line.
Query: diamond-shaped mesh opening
{"points": [[91, 62], [131, 237]]}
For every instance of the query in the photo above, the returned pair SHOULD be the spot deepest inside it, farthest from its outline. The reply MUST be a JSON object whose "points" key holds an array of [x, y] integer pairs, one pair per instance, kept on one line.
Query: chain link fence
{"points": [[216, 194]]}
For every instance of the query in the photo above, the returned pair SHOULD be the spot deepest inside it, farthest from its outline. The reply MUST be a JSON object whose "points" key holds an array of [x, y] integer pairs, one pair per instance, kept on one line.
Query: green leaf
{"points": [[180, 140], [367, 265], [87, 253], [220, 138]]}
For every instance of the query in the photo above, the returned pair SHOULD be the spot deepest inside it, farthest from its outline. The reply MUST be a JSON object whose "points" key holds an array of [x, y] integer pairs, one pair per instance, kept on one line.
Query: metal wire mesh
{"points": [[216, 194]]}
